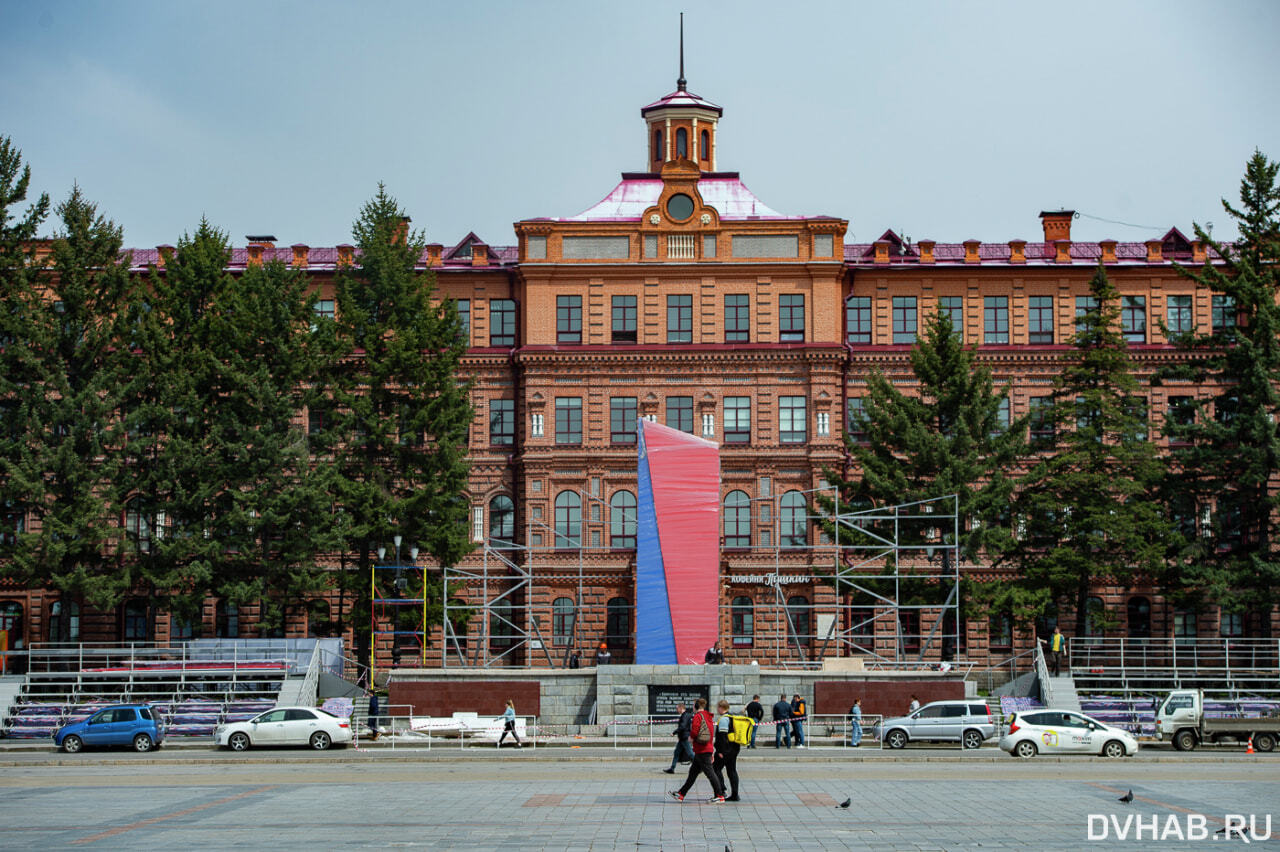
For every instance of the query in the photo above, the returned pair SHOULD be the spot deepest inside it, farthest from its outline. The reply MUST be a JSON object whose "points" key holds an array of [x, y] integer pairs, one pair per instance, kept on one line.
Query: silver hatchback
{"points": [[966, 722]]}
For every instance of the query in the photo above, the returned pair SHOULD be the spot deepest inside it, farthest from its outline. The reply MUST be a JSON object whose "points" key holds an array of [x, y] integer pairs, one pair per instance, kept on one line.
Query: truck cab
{"points": [[1181, 709]]}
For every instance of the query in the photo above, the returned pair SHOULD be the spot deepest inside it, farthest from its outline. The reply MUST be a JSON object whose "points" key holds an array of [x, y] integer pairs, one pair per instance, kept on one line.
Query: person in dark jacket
{"points": [[603, 657], [726, 760], [703, 754], [372, 716], [756, 711], [684, 748], [781, 730]]}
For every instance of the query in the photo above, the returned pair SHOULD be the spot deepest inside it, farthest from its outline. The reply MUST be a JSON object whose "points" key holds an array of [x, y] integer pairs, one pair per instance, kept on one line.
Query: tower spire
{"points": [[680, 81]]}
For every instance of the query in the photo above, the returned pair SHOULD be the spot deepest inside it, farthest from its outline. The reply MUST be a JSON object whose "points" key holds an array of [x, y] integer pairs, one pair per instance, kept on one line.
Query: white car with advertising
{"points": [[1065, 732]]}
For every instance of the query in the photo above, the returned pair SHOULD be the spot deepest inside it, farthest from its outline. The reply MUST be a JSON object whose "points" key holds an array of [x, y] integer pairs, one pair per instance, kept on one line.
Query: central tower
{"points": [[681, 125]]}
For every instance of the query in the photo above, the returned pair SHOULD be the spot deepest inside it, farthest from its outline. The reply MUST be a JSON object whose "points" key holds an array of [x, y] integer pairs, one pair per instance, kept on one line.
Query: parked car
{"points": [[966, 722], [283, 726], [135, 725], [1064, 732]]}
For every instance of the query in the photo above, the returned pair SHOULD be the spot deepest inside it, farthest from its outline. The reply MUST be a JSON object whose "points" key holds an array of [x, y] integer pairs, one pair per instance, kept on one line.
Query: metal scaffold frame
{"points": [[898, 549]]}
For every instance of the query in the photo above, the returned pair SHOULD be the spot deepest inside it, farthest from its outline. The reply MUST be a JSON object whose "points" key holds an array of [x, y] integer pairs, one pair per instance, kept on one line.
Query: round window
{"points": [[680, 207]]}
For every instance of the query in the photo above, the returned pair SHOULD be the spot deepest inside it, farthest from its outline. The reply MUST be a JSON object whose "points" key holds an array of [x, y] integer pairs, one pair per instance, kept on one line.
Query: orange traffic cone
{"points": [[1249, 750]]}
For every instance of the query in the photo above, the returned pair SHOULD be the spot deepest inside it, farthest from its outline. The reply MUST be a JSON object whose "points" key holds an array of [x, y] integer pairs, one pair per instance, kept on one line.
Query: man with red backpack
{"points": [[703, 735]]}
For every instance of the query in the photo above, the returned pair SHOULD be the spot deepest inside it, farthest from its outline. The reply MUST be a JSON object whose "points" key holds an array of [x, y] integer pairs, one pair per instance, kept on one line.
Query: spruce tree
{"points": [[221, 467], [1226, 460], [400, 410], [61, 382], [1087, 508], [949, 438]]}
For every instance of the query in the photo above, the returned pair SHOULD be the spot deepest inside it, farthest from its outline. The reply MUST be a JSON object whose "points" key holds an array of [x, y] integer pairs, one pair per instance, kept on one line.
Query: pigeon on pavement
{"points": [[1126, 798], [846, 802]]}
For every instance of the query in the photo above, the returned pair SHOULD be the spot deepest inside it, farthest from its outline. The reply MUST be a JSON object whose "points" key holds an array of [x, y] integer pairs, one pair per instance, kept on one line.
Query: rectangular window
{"points": [[995, 319], [464, 319], [1136, 406], [1181, 412], [535, 248], [765, 245], [323, 309], [650, 246], [1042, 431], [952, 307], [824, 424], [624, 319], [1224, 313], [595, 248], [737, 419], [793, 420], [1002, 418], [568, 319], [791, 318], [1133, 318], [854, 425], [568, 420], [1179, 317], [1040, 319], [502, 422], [679, 319], [535, 425], [622, 419], [502, 322], [709, 245], [680, 413], [737, 318], [1084, 305], [823, 245], [857, 319], [708, 425], [904, 319]]}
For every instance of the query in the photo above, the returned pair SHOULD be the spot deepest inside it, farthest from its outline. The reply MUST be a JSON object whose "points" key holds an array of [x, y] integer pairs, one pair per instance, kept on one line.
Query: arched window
{"points": [[135, 621], [657, 146], [502, 624], [142, 524], [568, 519], [682, 142], [737, 519], [64, 621], [617, 630], [502, 522], [562, 621], [11, 620], [226, 622], [1139, 612], [795, 520], [318, 618], [1095, 617], [798, 619], [622, 520], [704, 146], [742, 622]]}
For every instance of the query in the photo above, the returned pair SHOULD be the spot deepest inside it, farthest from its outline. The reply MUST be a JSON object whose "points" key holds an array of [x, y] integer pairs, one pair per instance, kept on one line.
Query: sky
{"points": [[941, 120]]}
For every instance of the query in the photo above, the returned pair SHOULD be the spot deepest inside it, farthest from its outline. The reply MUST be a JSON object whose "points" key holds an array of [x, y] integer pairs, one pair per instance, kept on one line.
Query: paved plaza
{"points": [[602, 798]]}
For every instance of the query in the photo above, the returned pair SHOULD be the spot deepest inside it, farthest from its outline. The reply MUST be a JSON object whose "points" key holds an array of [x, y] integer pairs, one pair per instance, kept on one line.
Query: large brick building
{"points": [[683, 298]]}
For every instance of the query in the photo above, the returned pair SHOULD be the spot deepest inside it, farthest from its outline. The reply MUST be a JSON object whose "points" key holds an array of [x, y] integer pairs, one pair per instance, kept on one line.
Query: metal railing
{"points": [[1217, 656]]}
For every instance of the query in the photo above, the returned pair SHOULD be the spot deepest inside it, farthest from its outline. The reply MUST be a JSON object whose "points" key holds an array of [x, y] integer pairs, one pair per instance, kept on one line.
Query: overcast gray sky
{"points": [[946, 121]]}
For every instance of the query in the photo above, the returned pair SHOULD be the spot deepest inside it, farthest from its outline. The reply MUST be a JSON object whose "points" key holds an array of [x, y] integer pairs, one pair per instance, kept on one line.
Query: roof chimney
{"points": [[1057, 224]]}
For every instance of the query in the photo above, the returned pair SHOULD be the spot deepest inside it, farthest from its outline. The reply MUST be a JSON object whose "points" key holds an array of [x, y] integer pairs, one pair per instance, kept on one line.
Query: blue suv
{"points": [[135, 725]]}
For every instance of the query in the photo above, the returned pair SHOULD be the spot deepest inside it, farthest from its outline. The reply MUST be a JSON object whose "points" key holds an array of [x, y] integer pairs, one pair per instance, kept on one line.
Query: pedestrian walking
{"points": [[509, 725], [855, 723], [704, 747], [1056, 645], [915, 705], [372, 716], [684, 748], [798, 713], [726, 760], [781, 723], [755, 710]]}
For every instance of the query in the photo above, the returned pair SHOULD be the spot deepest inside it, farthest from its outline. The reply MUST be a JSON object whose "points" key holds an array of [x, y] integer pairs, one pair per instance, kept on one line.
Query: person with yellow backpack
{"points": [[732, 733]]}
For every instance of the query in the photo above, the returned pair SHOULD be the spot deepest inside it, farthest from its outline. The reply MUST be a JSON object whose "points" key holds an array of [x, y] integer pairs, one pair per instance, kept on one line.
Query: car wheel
{"points": [[142, 743], [72, 744], [1264, 742], [239, 741], [1185, 741], [1113, 748], [1025, 749], [972, 739], [896, 739], [320, 741]]}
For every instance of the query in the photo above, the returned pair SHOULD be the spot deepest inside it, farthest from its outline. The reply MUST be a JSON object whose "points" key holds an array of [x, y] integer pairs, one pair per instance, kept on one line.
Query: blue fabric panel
{"points": [[655, 638]]}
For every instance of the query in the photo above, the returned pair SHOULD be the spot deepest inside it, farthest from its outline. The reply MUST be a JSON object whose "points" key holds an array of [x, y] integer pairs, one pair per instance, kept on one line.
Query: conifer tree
{"points": [[1087, 508], [227, 498], [1226, 460], [399, 407], [61, 376]]}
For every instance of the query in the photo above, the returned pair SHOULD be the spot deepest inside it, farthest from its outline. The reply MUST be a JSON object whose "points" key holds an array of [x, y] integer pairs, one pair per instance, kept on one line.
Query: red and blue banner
{"points": [[677, 547]]}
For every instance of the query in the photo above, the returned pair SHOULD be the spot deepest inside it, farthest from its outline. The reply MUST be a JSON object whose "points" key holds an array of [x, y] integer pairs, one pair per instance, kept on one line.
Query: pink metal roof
{"points": [[632, 196], [682, 98], [863, 254]]}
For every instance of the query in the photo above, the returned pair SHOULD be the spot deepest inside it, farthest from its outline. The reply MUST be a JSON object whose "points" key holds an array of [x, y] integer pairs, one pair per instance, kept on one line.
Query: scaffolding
{"points": [[890, 569]]}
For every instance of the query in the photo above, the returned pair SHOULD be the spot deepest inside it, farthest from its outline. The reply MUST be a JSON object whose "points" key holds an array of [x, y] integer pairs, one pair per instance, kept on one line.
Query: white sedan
{"points": [[283, 726], [1064, 732]]}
